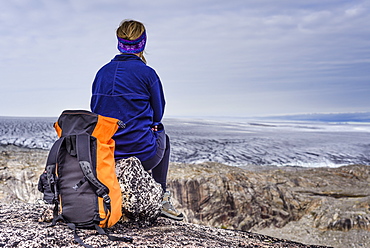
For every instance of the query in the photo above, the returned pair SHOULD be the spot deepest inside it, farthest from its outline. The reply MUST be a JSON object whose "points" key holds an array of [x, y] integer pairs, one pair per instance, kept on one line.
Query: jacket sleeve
{"points": [[157, 101]]}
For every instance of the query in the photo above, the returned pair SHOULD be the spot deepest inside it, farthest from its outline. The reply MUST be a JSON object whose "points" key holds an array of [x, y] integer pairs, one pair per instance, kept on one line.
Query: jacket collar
{"points": [[125, 57]]}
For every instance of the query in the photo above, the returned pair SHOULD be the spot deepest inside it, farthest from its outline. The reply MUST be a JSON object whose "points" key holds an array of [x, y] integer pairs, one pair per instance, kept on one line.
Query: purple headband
{"points": [[132, 46]]}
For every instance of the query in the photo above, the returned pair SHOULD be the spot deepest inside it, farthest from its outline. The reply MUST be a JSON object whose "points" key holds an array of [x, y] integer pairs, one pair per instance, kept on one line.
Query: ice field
{"points": [[234, 142]]}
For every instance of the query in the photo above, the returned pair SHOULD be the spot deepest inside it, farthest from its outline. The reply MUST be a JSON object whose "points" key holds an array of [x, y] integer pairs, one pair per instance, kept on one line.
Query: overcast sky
{"points": [[215, 58]]}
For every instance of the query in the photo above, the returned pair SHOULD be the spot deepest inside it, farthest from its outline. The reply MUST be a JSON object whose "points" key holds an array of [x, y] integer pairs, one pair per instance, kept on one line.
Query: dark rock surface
{"points": [[19, 227]]}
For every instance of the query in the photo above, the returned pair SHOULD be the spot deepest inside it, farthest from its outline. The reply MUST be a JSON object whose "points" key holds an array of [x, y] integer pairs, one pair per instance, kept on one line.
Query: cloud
{"points": [[212, 56]]}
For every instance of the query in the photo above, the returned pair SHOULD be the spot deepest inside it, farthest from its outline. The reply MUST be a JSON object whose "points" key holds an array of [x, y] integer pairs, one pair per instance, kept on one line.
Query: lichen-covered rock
{"points": [[19, 227]]}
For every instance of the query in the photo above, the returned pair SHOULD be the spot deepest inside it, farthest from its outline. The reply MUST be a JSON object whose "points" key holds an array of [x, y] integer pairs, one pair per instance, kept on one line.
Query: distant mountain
{"points": [[325, 117]]}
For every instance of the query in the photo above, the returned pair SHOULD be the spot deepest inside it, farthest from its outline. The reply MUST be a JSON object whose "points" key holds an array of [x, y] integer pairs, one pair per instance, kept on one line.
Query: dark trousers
{"points": [[158, 164]]}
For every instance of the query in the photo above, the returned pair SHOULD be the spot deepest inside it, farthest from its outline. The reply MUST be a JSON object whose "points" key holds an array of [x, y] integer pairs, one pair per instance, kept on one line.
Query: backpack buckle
{"points": [[102, 193], [121, 124], [106, 198]]}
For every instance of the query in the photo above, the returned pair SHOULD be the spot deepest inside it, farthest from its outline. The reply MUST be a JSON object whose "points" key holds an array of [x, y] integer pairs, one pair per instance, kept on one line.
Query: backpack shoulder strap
{"points": [[83, 146]]}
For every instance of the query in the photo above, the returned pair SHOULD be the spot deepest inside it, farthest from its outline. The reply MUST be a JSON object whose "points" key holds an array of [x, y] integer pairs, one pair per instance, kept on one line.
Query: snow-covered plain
{"points": [[239, 143]]}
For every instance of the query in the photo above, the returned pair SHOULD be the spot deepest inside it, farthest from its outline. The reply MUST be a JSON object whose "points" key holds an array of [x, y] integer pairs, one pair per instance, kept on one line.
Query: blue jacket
{"points": [[129, 90]]}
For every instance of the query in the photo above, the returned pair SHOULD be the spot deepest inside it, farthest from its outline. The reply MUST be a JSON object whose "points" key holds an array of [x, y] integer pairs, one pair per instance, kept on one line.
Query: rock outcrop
{"points": [[330, 203], [20, 169], [225, 196]]}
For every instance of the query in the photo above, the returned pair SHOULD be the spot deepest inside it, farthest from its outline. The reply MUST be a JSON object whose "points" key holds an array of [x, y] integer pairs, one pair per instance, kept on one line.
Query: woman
{"points": [[129, 90]]}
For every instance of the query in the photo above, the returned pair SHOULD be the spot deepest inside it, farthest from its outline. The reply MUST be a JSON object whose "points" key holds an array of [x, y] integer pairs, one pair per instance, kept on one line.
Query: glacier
{"points": [[232, 142]]}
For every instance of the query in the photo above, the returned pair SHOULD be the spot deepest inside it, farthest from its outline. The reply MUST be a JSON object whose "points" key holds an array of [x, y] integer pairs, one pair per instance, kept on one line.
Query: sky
{"points": [[237, 58]]}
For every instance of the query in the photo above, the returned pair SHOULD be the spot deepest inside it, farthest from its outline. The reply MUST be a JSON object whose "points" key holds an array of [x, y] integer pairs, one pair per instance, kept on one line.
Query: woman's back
{"points": [[129, 90]]}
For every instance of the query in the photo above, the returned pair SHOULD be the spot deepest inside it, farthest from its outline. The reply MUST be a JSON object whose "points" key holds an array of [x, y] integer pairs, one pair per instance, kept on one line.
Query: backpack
{"points": [[81, 172]]}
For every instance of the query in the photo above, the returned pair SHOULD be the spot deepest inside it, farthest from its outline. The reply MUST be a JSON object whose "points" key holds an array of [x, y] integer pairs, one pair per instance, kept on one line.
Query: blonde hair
{"points": [[131, 30]]}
